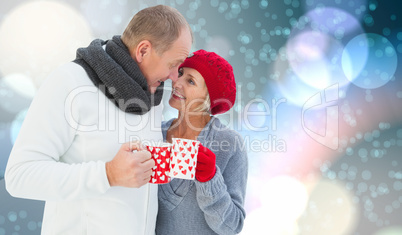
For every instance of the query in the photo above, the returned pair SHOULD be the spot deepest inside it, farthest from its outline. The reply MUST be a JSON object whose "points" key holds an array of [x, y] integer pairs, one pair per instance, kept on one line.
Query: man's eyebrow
{"points": [[177, 62]]}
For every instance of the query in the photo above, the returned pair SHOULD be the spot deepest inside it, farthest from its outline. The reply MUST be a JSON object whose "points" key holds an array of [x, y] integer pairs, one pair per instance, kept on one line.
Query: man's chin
{"points": [[152, 90]]}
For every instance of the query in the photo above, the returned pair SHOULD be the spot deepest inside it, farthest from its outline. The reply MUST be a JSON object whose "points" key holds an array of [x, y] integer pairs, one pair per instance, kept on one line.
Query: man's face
{"points": [[159, 68]]}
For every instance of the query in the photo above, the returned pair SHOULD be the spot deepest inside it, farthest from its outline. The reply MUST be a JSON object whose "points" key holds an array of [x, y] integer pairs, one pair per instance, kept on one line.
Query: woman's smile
{"points": [[177, 95]]}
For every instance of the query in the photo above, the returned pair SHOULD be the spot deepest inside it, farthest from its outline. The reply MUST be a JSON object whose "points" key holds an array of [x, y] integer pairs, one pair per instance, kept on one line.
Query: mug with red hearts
{"points": [[161, 155], [183, 158]]}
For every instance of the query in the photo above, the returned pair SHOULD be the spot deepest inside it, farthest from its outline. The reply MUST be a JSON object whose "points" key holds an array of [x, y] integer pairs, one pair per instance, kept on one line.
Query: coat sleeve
{"points": [[222, 198], [35, 169]]}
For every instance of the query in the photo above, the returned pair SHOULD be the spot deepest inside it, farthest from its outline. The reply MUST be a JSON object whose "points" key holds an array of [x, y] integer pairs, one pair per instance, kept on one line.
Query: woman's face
{"points": [[189, 91]]}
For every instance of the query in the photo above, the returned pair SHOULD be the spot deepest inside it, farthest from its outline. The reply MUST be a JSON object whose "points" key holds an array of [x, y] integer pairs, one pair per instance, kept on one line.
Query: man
{"points": [[73, 150]]}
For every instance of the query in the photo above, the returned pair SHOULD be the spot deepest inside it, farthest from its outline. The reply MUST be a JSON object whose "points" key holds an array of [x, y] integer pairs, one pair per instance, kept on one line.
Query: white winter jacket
{"points": [[71, 130]]}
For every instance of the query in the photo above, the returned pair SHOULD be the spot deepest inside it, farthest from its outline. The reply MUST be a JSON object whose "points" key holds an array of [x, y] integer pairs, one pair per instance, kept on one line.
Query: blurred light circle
{"points": [[285, 197], [23, 214], [5, 148], [106, 17], [16, 125], [12, 216], [260, 221], [292, 88], [331, 210], [392, 230], [335, 21], [21, 84], [32, 225], [40, 35], [220, 45], [358, 8], [16, 93], [315, 46], [354, 56], [369, 61], [315, 58]]}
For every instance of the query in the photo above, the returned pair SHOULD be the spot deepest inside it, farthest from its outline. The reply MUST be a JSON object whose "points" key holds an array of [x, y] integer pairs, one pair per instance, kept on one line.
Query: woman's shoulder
{"points": [[219, 132], [223, 130], [226, 142], [166, 124]]}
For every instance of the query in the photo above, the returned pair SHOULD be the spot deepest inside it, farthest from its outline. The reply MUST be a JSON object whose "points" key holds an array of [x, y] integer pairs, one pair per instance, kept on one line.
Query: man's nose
{"points": [[174, 75]]}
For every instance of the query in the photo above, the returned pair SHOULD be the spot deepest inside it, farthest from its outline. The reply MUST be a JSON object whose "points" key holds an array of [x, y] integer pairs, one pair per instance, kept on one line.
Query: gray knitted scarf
{"points": [[118, 76]]}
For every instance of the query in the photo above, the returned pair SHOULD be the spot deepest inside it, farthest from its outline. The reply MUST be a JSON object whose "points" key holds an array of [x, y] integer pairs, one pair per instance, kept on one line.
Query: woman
{"points": [[213, 203]]}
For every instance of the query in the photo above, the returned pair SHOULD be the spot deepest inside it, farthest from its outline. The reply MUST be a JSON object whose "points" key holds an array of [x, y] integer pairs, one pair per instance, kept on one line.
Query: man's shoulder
{"points": [[72, 69], [69, 74]]}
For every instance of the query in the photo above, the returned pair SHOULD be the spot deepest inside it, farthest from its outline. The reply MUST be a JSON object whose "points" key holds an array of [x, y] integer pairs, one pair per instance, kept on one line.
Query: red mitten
{"points": [[205, 164]]}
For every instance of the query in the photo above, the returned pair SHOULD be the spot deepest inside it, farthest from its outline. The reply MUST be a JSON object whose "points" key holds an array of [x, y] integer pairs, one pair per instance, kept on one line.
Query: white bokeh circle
{"points": [[16, 92], [369, 61], [38, 36], [220, 45], [331, 210], [283, 200]]}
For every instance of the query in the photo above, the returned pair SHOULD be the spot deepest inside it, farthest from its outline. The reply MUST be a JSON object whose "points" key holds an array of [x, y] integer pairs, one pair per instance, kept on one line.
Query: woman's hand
{"points": [[205, 164]]}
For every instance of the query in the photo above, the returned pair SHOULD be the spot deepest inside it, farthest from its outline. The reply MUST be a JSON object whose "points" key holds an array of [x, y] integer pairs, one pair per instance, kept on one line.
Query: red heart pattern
{"points": [[162, 157], [184, 158], [178, 160]]}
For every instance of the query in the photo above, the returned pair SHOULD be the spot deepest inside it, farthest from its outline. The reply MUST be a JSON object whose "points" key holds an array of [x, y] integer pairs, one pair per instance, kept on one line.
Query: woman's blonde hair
{"points": [[205, 106], [161, 25]]}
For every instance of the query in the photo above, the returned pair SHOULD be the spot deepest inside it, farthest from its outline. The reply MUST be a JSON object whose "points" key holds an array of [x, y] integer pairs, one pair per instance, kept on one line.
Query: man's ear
{"points": [[143, 49]]}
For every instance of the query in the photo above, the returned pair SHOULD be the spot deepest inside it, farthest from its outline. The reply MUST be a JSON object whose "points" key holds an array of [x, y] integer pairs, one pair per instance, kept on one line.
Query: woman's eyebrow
{"points": [[195, 79]]}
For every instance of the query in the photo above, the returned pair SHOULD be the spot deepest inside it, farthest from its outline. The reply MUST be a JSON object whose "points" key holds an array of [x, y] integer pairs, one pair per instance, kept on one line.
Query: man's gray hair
{"points": [[161, 25]]}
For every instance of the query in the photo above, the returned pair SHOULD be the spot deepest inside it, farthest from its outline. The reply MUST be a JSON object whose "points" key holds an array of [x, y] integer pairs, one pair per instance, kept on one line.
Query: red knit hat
{"points": [[218, 76]]}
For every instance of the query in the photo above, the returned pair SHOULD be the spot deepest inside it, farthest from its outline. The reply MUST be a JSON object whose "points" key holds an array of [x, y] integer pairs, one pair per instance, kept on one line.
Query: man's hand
{"points": [[130, 169]]}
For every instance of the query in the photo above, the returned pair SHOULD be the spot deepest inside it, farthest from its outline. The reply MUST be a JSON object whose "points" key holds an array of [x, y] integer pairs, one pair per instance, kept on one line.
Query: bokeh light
{"points": [[16, 92], [316, 45], [16, 125], [392, 230], [220, 45], [374, 70], [330, 210], [333, 21], [277, 195], [357, 8], [38, 36], [20, 84], [315, 58], [279, 207], [117, 11]]}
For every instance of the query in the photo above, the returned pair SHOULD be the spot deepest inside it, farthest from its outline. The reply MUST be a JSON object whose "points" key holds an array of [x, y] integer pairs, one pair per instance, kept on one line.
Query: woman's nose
{"points": [[177, 82]]}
